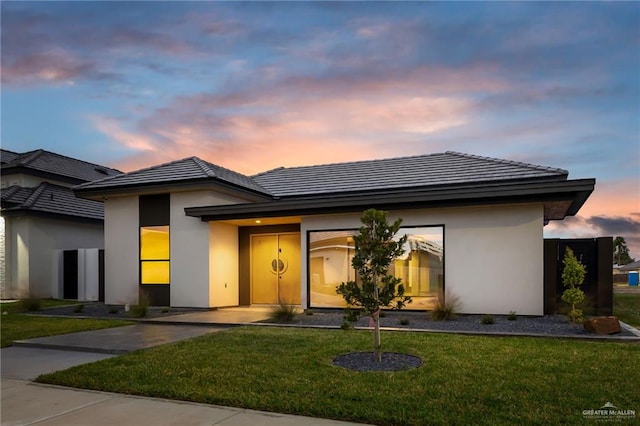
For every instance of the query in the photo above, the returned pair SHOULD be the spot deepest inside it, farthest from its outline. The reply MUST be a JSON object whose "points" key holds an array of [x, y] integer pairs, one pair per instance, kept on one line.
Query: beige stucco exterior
{"points": [[493, 254], [121, 245]]}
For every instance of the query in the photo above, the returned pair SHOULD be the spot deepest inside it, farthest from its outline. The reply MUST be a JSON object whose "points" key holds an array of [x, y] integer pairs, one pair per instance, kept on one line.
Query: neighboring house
{"points": [[41, 217], [190, 233], [631, 272]]}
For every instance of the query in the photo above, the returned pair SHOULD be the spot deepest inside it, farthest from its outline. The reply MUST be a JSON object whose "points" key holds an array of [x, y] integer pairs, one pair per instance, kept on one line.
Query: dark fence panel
{"points": [[596, 254]]}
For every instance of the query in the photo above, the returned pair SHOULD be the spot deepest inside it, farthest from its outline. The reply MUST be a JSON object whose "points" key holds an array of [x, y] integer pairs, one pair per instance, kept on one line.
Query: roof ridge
{"points": [[512, 162], [7, 193], [205, 166], [30, 201], [27, 157]]}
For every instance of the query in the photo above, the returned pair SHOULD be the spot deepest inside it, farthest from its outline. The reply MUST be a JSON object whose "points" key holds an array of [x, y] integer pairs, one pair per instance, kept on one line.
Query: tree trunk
{"points": [[376, 338]]}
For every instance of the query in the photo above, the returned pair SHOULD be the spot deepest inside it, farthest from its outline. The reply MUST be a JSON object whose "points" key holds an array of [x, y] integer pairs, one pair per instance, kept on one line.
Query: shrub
{"points": [[140, 310], [31, 303], [78, 308], [488, 319], [446, 308], [404, 321], [308, 311], [113, 310], [346, 325], [512, 316], [165, 310], [283, 312]]}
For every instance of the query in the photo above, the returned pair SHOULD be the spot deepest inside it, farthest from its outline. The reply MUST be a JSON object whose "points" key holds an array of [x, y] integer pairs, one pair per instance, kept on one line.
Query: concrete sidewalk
{"points": [[26, 403]]}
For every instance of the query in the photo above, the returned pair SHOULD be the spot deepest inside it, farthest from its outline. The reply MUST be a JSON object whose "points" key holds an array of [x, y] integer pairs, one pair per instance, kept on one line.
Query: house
{"points": [[41, 218], [631, 271], [193, 234]]}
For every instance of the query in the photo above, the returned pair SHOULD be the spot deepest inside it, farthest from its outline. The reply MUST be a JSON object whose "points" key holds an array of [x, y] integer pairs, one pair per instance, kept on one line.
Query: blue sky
{"points": [[253, 86]]}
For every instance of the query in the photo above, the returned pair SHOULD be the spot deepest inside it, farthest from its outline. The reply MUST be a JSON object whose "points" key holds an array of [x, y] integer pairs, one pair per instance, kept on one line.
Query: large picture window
{"points": [[421, 268]]}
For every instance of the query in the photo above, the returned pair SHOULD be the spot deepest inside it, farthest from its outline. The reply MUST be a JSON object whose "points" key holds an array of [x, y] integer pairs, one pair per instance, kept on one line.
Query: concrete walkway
{"points": [[27, 403]]}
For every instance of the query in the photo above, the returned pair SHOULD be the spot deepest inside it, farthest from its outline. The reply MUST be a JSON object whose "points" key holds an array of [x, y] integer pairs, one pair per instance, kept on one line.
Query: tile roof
{"points": [[7, 156], [55, 165], [185, 170], [448, 168], [50, 199]]}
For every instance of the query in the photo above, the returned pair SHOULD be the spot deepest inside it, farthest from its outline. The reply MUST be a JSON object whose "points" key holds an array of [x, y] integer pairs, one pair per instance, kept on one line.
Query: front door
{"points": [[275, 269]]}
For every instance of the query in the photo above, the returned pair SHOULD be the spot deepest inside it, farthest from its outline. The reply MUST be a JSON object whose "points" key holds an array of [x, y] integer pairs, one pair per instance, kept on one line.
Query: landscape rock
{"points": [[602, 325]]}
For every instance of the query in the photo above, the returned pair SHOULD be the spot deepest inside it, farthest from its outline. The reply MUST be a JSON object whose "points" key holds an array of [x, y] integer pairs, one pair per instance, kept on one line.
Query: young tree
{"points": [[375, 288], [572, 277]]}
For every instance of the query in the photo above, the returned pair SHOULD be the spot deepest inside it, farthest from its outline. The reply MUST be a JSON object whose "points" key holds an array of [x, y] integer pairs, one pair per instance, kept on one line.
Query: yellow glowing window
{"points": [[154, 243], [154, 255], [155, 272]]}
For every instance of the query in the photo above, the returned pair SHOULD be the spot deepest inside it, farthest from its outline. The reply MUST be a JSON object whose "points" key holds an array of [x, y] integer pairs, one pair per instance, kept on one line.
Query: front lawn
{"points": [[627, 308], [15, 325], [464, 379]]}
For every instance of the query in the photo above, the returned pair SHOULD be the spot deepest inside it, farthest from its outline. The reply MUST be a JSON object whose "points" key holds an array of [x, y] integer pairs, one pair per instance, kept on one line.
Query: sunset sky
{"points": [[253, 86]]}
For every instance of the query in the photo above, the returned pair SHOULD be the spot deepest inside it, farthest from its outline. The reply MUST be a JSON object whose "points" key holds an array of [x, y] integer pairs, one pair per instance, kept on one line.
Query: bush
{"points": [[404, 321], [113, 310], [347, 325], [165, 310], [308, 311], [283, 312], [446, 308], [488, 319], [512, 316], [78, 308], [140, 310], [31, 303]]}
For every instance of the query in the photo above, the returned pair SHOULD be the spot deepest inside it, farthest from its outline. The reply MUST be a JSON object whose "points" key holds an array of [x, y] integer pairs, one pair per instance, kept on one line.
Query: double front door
{"points": [[275, 269]]}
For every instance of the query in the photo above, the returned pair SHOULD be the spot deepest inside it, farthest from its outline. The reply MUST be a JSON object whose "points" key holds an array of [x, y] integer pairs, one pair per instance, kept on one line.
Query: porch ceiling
{"points": [[263, 221]]}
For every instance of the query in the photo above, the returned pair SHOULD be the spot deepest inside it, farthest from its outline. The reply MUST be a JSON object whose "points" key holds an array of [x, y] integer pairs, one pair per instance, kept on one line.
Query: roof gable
{"points": [[449, 168], [41, 162], [191, 169]]}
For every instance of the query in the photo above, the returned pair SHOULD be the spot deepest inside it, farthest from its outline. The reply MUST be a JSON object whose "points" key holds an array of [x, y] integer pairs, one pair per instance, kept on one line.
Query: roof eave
{"points": [[14, 170], [12, 212], [575, 191], [100, 194]]}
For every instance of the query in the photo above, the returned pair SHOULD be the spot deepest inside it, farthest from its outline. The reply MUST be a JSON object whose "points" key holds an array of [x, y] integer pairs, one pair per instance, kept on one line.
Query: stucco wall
{"points": [[121, 246], [493, 255], [31, 257], [223, 265]]}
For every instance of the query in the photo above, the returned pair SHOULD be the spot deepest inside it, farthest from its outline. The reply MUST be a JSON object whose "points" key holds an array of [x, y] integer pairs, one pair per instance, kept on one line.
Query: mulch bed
{"points": [[367, 361]]}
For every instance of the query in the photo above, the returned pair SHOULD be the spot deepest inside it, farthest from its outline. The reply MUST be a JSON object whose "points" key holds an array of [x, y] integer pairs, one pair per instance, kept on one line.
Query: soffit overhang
{"points": [[204, 184], [560, 198]]}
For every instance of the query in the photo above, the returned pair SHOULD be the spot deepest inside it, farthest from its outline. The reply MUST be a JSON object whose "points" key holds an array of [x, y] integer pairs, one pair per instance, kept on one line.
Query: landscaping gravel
{"points": [[100, 310], [527, 325]]}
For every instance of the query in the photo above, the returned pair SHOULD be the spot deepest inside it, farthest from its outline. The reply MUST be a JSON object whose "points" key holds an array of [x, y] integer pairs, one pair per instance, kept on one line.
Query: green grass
{"points": [[464, 379], [17, 326], [627, 308]]}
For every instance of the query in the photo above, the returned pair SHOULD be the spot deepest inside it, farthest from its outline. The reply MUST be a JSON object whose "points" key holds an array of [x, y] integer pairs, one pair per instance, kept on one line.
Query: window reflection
{"points": [[420, 267]]}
